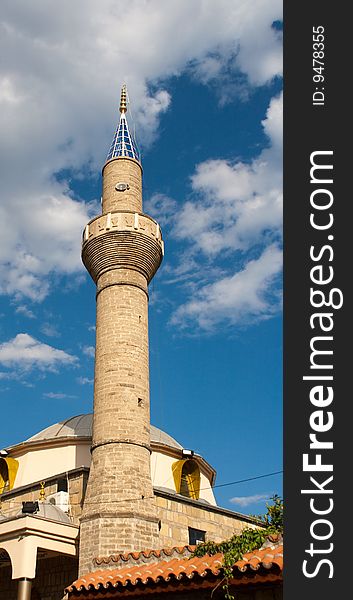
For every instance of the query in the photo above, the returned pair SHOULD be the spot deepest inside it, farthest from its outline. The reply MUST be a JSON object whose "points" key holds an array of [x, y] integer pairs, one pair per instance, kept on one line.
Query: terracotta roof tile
{"points": [[177, 568], [144, 554]]}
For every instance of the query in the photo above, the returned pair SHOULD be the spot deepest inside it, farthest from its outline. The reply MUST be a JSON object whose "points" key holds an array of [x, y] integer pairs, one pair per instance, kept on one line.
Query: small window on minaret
{"points": [[139, 402]]}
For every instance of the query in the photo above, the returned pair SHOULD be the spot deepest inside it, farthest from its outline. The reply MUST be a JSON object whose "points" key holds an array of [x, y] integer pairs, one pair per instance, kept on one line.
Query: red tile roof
{"points": [[144, 555], [259, 566]]}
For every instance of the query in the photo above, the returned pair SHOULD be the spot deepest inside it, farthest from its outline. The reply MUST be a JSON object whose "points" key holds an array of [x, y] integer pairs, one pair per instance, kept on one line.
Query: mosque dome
{"points": [[47, 510], [65, 447], [80, 426]]}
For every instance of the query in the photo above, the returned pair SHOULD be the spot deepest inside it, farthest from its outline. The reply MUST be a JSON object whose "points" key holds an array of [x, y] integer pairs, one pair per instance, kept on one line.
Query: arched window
{"points": [[4, 477], [8, 472], [186, 475]]}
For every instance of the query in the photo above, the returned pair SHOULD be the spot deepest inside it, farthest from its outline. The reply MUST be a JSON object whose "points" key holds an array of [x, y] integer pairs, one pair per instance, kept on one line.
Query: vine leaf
{"points": [[247, 541]]}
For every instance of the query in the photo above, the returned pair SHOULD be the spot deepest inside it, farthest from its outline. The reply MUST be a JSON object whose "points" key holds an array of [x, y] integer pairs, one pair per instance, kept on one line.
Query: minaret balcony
{"points": [[122, 239]]}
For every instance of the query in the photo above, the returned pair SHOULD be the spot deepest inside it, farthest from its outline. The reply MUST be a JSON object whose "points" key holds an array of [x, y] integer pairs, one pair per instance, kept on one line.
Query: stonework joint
{"points": [[121, 441], [108, 285]]}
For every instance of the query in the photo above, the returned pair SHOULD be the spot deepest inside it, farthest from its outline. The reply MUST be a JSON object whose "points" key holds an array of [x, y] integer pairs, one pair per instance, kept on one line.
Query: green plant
{"points": [[249, 539], [273, 519]]}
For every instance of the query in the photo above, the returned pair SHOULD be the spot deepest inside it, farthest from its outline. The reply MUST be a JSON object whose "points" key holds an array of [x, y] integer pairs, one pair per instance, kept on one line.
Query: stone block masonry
{"points": [[129, 173], [122, 249], [177, 515]]}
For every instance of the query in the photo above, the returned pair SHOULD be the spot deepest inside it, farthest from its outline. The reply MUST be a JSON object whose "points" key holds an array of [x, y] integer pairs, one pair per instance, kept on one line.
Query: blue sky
{"points": [[207, 113]]}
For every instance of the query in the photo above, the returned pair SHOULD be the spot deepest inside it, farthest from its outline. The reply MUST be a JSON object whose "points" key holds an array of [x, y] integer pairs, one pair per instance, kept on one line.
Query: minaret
{"points": [[122, 250]]}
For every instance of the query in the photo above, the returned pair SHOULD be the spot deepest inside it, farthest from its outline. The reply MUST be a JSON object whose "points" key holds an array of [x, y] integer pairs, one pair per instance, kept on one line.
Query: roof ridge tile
{"points": [[177, 568]]}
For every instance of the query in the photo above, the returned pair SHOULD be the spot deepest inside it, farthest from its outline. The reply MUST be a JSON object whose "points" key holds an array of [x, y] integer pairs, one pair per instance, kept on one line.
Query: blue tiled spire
{"points": [[123, 144]]}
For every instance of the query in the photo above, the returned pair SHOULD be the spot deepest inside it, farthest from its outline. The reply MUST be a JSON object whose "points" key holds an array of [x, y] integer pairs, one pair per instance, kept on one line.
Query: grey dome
{"points": [[81, 426], [47, 510]]}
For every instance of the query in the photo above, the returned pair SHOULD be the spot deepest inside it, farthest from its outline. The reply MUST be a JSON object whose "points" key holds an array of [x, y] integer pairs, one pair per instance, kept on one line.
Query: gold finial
{"points": [[42, 491], [123, 100]]}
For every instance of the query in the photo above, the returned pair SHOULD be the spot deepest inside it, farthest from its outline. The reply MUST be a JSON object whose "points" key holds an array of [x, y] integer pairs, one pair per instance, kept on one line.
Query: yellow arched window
{"points": [[8, 472], [186, 475]]}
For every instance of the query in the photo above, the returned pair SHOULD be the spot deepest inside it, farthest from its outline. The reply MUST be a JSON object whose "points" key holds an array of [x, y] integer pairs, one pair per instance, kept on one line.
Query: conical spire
{"points": [[123, 144]]}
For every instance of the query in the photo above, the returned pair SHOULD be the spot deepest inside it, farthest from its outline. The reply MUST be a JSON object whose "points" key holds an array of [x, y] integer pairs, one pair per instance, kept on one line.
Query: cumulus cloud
{"points": [[25, 311], [49, 330], [162, 206], [244, 501], [63, 66], [88, 351], [45, 238], [242, 298], [4, 375], [237, 209], [84, 380], [24, 353], [240, 203], [57, 395]]}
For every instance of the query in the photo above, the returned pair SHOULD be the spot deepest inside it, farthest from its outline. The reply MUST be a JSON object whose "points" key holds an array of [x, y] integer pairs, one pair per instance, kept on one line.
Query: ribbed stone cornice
{"points": [[122, 240]]}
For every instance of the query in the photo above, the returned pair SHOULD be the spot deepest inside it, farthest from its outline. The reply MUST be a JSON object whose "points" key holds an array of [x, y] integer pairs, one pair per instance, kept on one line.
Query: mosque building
{"points": [[89, 497]]}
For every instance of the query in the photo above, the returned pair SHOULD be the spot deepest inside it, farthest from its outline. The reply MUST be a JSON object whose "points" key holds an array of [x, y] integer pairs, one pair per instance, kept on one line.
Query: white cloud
{"points": [[244, 501], [58, 104], [25, 353], [242, 298], [238, 207], [162, 207], [57, 395], [84, 380], [88, 351], [4, 375], [25, 311], [240, 203], [49, 330]]}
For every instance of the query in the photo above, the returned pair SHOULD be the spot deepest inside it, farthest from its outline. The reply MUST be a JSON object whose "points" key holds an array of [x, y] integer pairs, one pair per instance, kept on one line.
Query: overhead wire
{"points": [[199, 490]]}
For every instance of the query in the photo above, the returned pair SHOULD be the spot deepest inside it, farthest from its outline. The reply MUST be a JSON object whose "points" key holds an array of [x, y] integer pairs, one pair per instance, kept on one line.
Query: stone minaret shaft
{"points": [[122, 249]]}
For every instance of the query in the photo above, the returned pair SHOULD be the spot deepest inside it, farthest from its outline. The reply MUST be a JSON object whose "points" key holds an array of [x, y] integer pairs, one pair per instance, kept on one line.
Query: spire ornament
{"points": [[123, 144], [42, 491], [123, 100]]}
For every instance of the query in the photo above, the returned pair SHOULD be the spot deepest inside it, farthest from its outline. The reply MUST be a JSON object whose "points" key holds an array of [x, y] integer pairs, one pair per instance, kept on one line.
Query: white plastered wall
{"points": [[42, 463], [162, 476], [21, 539], [37, 465]]}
